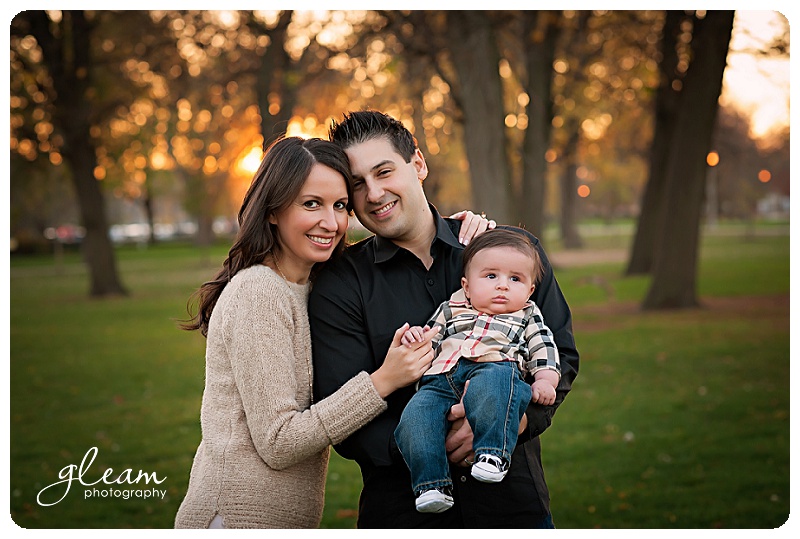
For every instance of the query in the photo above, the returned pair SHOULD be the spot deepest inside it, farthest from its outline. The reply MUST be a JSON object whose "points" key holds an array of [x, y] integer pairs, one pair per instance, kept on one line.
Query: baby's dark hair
{"points": [[504, 237], [361, 126]]}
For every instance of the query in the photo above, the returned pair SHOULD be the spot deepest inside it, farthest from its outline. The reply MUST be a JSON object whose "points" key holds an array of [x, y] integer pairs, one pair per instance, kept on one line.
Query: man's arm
{"points": [[550, 300]]}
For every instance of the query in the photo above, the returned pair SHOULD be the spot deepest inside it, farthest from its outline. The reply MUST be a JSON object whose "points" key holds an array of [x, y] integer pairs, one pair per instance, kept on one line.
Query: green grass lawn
{"points": [[677, 420]]}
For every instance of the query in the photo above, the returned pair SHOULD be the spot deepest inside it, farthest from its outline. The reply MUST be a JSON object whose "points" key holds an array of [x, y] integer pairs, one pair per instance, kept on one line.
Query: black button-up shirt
{"points": [[361, 298]]}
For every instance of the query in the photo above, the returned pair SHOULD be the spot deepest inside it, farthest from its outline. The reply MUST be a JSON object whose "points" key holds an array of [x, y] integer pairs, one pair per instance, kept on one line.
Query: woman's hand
{"points": [[472, 225], [404, 363]]}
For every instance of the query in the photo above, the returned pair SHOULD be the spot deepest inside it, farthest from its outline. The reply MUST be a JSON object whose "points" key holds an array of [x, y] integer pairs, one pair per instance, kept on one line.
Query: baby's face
{"points": [[499, 280]]}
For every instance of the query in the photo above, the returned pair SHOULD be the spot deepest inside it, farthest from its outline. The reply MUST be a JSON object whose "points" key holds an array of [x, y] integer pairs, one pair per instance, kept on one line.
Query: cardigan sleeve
{"points": [[262, 359]]}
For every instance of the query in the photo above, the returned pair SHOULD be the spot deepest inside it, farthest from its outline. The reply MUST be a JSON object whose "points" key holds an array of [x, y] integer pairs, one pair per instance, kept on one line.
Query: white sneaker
{"points": [[434, 501], [489, 469]]}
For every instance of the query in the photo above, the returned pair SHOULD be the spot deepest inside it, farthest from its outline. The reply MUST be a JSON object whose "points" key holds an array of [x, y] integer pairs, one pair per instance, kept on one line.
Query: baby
{"points": [[492, 336]]}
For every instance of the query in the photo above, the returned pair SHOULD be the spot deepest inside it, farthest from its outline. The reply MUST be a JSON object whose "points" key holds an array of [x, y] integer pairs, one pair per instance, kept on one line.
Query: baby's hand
{"points": [[413, 334], [543, 392]]}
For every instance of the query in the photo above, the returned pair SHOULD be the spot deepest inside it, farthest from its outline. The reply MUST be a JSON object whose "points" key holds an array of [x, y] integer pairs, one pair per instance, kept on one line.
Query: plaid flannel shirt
{"points": [[520, 336]]}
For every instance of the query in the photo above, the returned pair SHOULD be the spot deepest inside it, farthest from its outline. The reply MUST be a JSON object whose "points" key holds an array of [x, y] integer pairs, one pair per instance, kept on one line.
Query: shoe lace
{"points": [[493, 460]]}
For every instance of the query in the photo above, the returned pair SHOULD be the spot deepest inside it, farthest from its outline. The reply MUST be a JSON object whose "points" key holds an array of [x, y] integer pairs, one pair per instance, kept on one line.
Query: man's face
{"points": [[387, 192]]}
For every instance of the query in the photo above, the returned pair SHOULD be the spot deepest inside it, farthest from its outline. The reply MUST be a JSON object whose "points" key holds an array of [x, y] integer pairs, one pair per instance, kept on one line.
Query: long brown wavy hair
{"points": [[278, 181]]}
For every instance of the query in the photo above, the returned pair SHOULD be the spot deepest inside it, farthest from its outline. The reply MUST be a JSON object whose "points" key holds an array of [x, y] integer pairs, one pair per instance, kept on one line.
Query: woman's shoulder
{"points": [[254, 291], [262, 282], [256, 273], [257, 281]]}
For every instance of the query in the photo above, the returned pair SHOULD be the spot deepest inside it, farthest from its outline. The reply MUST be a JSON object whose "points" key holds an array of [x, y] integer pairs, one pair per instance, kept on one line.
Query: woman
{"points": [[263, 458]]}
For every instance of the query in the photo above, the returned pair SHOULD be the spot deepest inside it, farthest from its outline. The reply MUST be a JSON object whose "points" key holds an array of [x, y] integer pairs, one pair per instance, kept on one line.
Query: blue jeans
{"points": [[495, 403]]}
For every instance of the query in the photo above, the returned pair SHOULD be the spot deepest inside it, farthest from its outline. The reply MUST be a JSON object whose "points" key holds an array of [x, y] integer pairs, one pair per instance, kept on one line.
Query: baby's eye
{"points": [[515, 279], [490, 275]]}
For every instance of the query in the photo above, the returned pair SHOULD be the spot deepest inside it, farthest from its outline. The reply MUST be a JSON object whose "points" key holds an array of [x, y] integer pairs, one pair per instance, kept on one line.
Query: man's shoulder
{"points": [[453, 224], [345, 266], [360, 248]]}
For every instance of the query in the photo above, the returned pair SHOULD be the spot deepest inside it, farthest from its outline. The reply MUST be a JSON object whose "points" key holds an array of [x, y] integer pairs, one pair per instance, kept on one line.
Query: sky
{"points": [[757, 86]]}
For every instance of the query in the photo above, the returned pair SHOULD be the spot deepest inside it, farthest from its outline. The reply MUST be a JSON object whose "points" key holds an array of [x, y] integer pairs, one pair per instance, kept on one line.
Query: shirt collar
{"points": [[385, 248]]}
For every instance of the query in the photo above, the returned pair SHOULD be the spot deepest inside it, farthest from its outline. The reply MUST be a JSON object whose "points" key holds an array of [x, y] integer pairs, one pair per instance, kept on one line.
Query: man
{"points": [[400, 275]]}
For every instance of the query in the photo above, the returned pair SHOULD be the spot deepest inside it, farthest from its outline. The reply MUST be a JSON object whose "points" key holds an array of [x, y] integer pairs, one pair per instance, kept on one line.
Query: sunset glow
{"points": [[757, 85], [248, 164]]}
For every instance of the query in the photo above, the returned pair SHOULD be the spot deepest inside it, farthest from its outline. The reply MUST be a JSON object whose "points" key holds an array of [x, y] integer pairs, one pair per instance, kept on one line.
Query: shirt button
{"points": [[463, 478], [430, 282]]}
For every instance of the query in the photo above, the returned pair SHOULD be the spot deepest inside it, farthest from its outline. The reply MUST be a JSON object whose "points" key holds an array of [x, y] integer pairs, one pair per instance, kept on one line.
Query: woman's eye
{"points": [[311, 204], [340, 205]]}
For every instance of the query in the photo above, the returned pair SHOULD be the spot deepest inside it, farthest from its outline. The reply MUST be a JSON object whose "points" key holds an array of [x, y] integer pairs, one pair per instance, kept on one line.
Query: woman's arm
{"points": [[261, 352]]}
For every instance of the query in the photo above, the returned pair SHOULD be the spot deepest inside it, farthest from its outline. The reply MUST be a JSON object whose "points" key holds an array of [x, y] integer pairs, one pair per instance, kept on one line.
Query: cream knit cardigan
{"points": [[263, 458]]}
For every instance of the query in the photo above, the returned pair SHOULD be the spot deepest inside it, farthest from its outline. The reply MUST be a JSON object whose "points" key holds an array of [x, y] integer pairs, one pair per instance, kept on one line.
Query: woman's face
{"points": [[314, 223]]}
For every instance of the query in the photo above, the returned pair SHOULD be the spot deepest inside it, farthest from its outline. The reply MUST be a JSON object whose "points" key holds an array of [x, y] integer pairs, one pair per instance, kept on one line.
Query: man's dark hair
{"points": [[504, 237], [360, 126]]}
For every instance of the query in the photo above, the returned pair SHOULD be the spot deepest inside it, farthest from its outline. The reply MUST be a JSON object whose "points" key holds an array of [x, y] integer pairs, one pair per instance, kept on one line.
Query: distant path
{"points": [[584, 257]]}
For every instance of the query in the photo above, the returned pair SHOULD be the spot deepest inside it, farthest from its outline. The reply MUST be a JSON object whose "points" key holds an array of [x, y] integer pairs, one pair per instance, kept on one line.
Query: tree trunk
{"points": [[675, 262], [569, 229], [271, 80], [418, 72], [480, 94], [541, 32], [213, 188], [147, 204], [651, 211], [68, 58]]}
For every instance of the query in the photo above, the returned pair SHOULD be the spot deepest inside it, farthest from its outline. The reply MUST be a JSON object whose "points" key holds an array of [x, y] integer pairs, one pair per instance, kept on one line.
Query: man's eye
{"points": [[358, 185]]}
